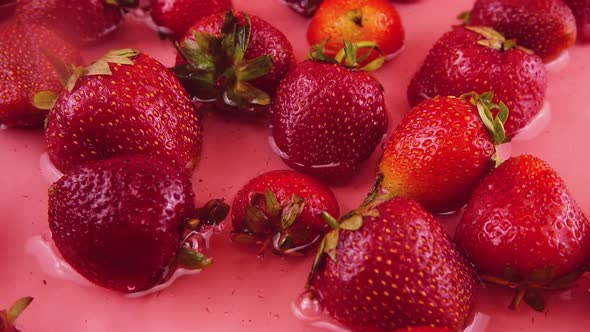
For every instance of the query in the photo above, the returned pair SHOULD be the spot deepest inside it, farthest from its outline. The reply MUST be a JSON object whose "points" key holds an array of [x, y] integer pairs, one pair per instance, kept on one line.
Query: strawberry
{"points": [[282, 208], [480, 59], [25, 70], [522, 228], [547, 27], [355, 21], [233, 59], [126, 102], [178, 16], [424, 329], [79, 21], [7, 8], [7, 317], [442, 149], [328, 117], [391, 265], [120, 222], [581, 10]]}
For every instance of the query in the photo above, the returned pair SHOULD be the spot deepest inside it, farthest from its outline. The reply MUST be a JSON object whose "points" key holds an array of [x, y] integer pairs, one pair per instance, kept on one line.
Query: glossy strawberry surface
{"points": [[179, 15]]}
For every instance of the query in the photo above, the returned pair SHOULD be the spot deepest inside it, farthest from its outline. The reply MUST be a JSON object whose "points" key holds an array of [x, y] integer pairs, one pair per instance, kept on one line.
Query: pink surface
{"points": [[240, 291]]}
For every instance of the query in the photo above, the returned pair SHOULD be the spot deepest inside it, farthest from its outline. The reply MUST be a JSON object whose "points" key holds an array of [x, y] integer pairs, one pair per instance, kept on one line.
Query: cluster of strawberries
{"points": [[126, 131]]}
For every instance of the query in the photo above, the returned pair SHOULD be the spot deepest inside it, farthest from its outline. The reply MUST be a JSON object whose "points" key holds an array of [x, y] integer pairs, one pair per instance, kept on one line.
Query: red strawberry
{"points": [[480, 59], [124, 103], [25, 70], [355, 21], [304, 7], [7, 317], [179, 15], [441, 150], [282, 208], [390, 266], [7, 8], [120, 222], [327, 118], [581, 10], [79, 21], [234, 59], [424, 329], [522, 228], [547, 27]]}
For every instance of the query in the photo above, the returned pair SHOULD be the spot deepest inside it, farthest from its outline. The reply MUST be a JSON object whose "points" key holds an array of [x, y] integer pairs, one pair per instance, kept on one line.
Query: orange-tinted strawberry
{"points": [[7, 317], [79, 21], [234, 60], [282, 209], [355, 21], [328, 118], [391, 265], [547, 27], [25, 70], [441, 150], [522, 228], [581, 10], [124, 103], [480, 59], [179, 15]]}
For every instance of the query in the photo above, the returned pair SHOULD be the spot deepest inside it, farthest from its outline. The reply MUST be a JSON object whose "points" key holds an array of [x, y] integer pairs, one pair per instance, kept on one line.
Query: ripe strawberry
{"points": [[25, 70], [304, 7], [7, 8], [7, 317], [581, 10], [355, 21], [124, 103], [547, 27], [480, 59], [282, 208], [522, 228], [424, 329], [234, 59], [391, 265], [120, 222], [441, 150], [179, 15], [327, 117], [79, 21]]}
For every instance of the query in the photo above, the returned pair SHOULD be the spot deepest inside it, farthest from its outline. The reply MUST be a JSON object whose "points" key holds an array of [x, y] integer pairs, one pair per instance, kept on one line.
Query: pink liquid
{"points": [[241, 292]]}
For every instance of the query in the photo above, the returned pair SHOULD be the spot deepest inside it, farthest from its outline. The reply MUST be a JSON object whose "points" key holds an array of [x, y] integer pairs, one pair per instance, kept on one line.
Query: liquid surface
{"points": [[241, 292]]}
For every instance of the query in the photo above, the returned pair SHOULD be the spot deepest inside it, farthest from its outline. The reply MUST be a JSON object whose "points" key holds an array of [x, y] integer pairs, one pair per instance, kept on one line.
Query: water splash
{"points": [[309, 310], [537, 125], [48, 169], [560, 63]]}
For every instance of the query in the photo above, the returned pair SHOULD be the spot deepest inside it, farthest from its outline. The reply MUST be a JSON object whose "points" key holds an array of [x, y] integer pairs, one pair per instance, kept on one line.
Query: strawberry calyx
{"points": [[269, 223], [349, 56], [69, 74], [530, 289], [495, 40], [216, 70], [494, 124], [8, 317], [465, 18]]}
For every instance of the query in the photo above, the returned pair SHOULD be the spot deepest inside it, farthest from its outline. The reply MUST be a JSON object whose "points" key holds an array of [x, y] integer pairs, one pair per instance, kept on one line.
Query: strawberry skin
{"points": [[265, 39], [522, 225], [424, 329], [355, 21], [79, 21], [457, 64], [119, 222], [547, 27], [399, 269], [327, 119], [179, 15], [24, 70], [438, 154], [581, 10], [138, 108], [305, 229]]}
